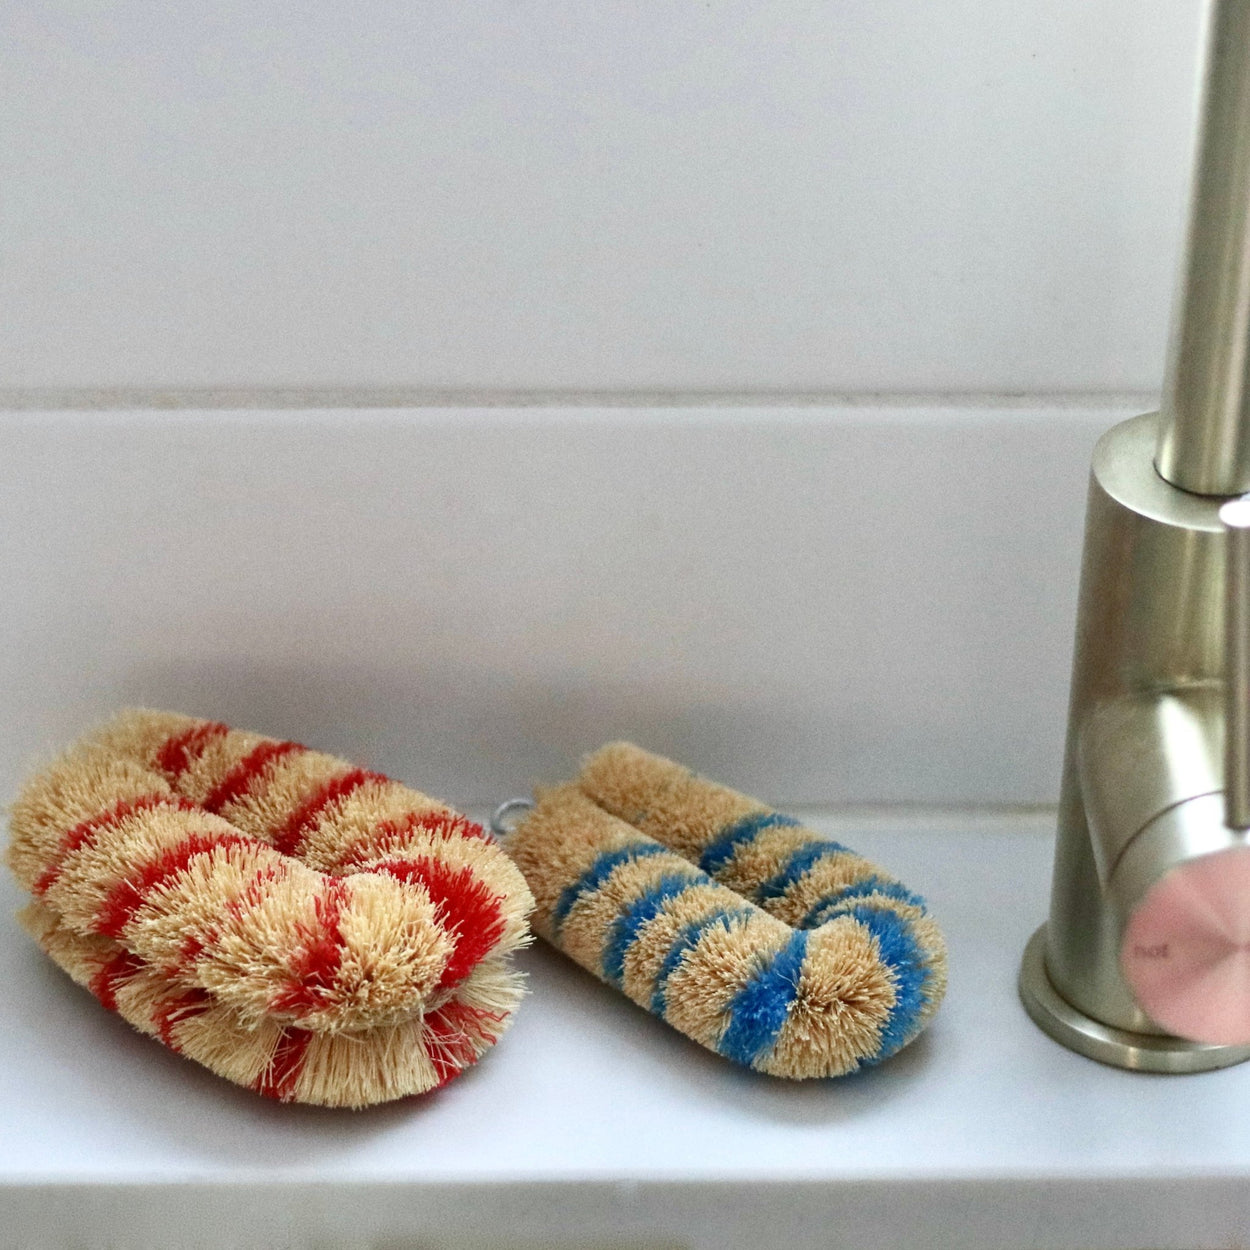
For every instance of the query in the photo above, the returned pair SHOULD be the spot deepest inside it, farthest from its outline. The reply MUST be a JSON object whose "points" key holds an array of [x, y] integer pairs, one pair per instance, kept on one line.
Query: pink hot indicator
{"points": [[1186, 950]]}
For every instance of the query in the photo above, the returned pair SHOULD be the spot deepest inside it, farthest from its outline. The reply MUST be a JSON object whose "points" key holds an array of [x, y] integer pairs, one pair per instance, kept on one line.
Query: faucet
{"points": [[1144, 962]]}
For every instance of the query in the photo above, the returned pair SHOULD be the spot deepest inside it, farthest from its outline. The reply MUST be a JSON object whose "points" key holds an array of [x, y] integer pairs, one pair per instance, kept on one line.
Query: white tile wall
{"points": [[492, 201], [837, 606], [959, 195]]}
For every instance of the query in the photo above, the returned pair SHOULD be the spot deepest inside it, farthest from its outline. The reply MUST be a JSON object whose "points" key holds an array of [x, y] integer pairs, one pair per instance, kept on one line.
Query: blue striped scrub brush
{"points": [[781, 950]]}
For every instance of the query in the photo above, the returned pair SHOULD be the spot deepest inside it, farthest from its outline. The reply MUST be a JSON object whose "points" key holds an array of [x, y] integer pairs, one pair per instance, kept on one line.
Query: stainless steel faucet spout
{"points": [[1204, 434]]}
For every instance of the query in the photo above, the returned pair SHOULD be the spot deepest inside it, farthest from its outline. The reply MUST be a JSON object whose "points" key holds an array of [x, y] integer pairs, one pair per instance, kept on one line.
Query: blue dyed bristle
{"points": [[760, 1008], [725, 845], [833, 904], [626, 927], [800, 861], [687, 939], [905, 958], [597, 874]]}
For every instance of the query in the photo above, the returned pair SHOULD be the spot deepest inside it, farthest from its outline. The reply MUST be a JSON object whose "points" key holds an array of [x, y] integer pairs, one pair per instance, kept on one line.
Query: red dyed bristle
{"points": [[236, 783], [390, 838], [279, 1078], [85, 832], [120, 906], [316, 965], [466, 909], [450, 1030], [304, 819], [174, 1010], [175, 756], [105, 983]]}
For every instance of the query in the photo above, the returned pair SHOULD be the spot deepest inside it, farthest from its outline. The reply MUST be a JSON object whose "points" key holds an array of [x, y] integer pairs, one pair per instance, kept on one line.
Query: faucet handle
{"points": [[1185, 951], [1235, 517]]}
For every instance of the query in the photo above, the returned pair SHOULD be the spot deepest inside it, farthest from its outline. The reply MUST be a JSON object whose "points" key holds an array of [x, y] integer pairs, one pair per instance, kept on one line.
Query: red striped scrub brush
{"points": [[302, 927]]}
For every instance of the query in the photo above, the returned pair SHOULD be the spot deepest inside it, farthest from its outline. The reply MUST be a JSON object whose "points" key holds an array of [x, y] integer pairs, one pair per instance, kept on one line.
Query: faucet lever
{"points": [[1235, 517]]}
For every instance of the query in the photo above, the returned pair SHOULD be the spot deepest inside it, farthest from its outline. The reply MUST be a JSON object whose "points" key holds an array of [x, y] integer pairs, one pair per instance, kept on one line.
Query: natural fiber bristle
{"points": [[752, 935], [296, 924]]}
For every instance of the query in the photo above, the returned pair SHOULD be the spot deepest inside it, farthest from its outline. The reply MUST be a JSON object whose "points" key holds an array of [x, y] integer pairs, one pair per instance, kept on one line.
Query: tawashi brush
{"points": [[311, 930], [777, 948]]}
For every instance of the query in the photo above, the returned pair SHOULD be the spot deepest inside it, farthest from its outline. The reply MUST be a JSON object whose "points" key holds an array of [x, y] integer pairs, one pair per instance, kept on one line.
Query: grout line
{"points": [[926, 811], [918, 818], [115, 398], [902, 817]]}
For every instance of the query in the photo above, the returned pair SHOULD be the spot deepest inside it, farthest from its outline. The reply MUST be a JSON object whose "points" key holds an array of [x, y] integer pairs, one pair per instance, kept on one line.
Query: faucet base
{"points": [[1139, 1052]]}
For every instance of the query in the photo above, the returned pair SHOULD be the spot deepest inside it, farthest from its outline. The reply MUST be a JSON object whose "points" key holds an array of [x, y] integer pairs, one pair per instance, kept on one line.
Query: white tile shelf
{"points": [[593, 1125]]}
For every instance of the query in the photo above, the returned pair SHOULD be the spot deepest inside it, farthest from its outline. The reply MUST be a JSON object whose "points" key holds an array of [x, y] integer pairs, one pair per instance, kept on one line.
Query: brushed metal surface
{"points": [[1142, 754], [1120, 1048], [1144, 772], [1146, 627], [1235, 516], [1159, 710], [1204, 438]]}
